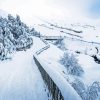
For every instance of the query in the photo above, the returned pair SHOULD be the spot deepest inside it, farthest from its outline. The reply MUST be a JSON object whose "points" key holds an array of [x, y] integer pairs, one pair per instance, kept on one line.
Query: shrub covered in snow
{"points": [[14, 35], [71, 63], [93, 91], [34, 33], [60, 44]]}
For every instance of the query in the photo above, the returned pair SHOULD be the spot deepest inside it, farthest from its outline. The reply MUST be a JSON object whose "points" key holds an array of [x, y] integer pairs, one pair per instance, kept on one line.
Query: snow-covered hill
{"points": [[86, 49], [19, 77]]}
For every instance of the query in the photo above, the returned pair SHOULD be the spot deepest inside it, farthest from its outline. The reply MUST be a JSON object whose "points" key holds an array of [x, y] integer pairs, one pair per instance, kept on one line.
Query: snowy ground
{"points": [[48, 60], [90, 32], [86, 50], [52, 56], [90, 67], [20, 78]]}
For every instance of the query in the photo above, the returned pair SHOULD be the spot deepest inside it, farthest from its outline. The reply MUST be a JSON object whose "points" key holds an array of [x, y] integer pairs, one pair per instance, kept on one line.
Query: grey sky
{"points": [[50, 8]]}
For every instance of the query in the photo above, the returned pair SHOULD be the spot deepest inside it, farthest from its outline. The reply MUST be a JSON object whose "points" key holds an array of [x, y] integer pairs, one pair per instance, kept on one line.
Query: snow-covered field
{"points": [[72, 44]]}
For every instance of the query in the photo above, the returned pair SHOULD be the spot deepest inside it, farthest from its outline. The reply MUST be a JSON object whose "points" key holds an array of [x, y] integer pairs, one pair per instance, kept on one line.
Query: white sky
{"points": [[61, 9]]}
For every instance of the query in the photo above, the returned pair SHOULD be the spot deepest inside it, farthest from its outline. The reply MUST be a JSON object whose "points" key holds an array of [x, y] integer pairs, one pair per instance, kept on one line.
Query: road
{"points": [[20, 78]]}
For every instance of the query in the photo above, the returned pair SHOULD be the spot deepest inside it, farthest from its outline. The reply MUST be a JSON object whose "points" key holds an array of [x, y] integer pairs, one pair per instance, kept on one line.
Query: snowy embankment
{"points": [[55, 73], [85, 52], [20, 78], [91, 69], [84, 49]]}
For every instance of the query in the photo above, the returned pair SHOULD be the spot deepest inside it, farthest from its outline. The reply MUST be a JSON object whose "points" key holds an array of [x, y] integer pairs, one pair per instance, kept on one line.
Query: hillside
{"points": [[68, 52], [83, 42]]}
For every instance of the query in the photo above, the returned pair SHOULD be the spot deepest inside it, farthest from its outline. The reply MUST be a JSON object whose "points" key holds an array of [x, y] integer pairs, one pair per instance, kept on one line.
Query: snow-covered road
{"points": [[20, 78]]}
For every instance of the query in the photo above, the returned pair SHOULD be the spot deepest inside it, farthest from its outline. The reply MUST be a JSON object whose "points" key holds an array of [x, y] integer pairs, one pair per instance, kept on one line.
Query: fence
{"points": [[52, 37], [41, 50]]}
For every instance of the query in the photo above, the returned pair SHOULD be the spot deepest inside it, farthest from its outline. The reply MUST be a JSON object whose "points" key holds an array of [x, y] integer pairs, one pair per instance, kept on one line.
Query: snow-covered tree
{"points": [[14, 35], [18, 19], [71, 64], [34, 33], [11, 18], [93, 91], [2, 52]]}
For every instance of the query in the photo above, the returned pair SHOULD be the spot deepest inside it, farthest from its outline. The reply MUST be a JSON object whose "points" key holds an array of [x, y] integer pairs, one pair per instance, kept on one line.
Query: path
{"points": [[20, 78]]}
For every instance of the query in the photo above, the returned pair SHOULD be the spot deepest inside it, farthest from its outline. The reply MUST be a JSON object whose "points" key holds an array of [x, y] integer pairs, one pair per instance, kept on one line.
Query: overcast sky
{"points": [[53, 8]]}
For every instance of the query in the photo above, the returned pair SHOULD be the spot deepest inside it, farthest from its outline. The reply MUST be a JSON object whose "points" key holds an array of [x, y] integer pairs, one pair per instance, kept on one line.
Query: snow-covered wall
{"points": [[68, 93]]}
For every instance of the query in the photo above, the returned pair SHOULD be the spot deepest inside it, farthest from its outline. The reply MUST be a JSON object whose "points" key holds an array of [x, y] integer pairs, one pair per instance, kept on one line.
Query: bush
{"points": [[93, 91], [71, 63], [60, 44]]}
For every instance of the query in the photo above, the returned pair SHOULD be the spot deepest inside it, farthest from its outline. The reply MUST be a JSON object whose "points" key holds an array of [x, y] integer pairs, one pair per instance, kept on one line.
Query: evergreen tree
{"points": [[71, 63], [14, 35]]}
